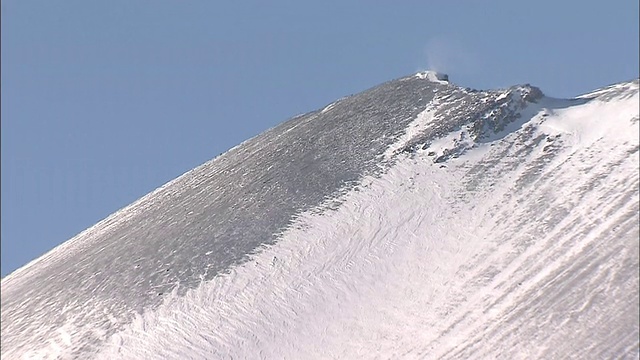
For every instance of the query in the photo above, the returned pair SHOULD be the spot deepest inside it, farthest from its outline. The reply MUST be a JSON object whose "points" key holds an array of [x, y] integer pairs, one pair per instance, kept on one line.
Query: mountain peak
{"points": [[433, 76], [504, 221]]}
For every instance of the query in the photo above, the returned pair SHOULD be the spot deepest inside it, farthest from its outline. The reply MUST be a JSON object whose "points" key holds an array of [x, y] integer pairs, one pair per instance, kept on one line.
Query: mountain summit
{"points": [[433, 76], [417, 219]]}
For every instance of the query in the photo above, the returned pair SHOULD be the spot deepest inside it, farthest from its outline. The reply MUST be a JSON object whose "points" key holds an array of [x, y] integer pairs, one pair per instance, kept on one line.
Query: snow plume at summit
{"points": [[417, 219], [450, 55]]}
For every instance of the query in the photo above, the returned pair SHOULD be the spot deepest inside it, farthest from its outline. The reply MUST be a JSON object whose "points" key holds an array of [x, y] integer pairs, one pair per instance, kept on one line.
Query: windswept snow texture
{"points": [[414, 220]]}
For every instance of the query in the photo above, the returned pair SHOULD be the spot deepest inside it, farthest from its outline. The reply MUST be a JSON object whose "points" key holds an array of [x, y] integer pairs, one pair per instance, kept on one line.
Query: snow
{"points": [[433, 76], [500, 225], [416, 127], [496, 256], [330, 106], [604, 124]]}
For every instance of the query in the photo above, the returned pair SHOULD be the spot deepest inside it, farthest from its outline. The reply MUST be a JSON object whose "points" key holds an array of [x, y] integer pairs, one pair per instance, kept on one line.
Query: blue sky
{"points": [[104, 101]]}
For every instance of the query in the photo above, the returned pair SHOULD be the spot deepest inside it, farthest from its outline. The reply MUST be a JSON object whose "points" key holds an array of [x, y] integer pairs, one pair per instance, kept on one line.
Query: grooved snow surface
{"points": [[487, 240]]}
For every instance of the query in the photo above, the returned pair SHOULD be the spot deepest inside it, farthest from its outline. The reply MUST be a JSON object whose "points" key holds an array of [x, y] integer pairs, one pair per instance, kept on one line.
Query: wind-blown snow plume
{"points": [[448, 55], [417, 219]]}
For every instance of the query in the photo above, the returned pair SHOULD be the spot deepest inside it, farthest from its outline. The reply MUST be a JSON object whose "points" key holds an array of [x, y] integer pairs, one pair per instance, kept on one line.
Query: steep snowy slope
{"points": [[417, 219]]}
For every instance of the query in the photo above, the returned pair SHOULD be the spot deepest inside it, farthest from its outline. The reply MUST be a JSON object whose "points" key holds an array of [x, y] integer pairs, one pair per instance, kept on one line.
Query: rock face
{"points": [[506, 218]]}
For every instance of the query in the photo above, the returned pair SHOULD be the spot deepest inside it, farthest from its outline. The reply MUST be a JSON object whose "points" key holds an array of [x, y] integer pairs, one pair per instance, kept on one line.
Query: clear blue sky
{"points": [[103, 101]]}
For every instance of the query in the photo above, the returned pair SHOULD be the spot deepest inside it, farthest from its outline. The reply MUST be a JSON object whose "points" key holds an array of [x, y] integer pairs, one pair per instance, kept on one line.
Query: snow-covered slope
{"points": [[414, 220]]}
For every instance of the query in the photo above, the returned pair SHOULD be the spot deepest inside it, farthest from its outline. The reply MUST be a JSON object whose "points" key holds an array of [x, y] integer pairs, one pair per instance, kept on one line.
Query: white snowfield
{"points": [[523, 247]]}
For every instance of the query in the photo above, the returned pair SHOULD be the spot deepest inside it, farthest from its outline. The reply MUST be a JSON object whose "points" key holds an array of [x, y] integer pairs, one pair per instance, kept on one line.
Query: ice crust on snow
{"points": [[499, 224]]}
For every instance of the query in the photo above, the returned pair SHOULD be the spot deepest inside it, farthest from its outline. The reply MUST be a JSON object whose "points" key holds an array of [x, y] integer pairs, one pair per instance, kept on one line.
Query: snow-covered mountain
{"points": [[417, 219]]}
